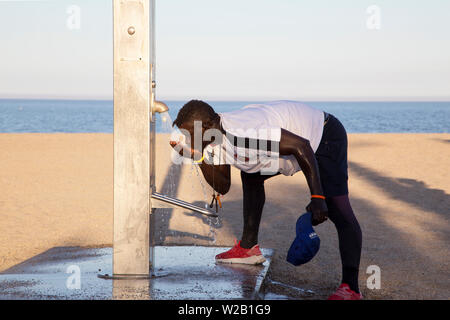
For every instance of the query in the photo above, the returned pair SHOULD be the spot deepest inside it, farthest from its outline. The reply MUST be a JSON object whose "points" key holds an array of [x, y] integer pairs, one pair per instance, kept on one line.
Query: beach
{"points": [[57, 191]]}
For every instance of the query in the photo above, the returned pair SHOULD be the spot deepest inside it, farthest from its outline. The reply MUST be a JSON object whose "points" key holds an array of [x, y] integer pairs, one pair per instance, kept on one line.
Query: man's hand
{"points": [[185, 151], [319, 211]]}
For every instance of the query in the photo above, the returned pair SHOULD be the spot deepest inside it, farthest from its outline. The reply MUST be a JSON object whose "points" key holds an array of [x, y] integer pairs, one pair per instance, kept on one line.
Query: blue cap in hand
{"points": [[306, 244]]}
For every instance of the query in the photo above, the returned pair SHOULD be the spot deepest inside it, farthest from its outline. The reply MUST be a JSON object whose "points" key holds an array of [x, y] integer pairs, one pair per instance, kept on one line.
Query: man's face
{"points": [[198, 135], [193, 133]]}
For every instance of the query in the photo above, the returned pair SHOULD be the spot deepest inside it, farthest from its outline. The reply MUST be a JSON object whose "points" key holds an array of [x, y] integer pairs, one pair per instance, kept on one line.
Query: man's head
{"points": [[200, 112], [196, 110]]}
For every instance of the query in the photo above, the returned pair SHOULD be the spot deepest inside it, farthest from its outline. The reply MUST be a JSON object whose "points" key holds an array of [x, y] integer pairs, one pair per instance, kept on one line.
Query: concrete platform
{"points": [[181, 272]]}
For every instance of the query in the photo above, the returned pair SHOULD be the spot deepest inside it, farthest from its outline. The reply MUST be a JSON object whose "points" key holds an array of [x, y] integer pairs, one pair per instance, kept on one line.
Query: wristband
{"points": [[317, 196], [218, 199]]}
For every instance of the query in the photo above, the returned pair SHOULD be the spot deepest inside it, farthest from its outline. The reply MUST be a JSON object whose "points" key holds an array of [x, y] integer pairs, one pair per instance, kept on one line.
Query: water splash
{"points": [[167, 127], [170, 186], [166, 123]]}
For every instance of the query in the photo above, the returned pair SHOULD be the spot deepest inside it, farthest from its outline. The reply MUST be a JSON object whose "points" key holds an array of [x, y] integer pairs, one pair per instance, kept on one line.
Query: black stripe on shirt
{"points": [[251, 143]]}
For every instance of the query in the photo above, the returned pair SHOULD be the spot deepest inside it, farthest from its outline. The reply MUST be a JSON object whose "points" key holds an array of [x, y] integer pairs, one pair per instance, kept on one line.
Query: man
{"points": [[264, 140]]}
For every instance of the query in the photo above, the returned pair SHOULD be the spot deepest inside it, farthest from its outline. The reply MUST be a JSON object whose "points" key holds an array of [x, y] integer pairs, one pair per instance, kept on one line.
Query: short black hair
{"points": [[195, 110]]}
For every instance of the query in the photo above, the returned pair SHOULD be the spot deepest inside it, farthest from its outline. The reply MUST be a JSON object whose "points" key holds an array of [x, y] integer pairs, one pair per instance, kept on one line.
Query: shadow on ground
{"points": [[410, 191], [406, 267]]}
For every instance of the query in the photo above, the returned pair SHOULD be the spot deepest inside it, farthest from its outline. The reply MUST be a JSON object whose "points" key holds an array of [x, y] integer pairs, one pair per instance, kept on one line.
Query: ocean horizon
{"points": [[96, 116]]}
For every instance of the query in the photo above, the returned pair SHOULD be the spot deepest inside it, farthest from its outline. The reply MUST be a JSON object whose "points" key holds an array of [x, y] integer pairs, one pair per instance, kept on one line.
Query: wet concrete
{"points": [[181, 272]]}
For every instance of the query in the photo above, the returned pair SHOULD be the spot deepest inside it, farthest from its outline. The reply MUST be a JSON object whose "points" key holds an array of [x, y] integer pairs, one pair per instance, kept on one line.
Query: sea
{"points": [[77, 116]]}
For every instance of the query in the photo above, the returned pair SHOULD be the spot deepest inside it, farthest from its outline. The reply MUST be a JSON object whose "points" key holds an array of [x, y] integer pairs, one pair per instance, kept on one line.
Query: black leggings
{"points": [[334, 182], [339, 211]]}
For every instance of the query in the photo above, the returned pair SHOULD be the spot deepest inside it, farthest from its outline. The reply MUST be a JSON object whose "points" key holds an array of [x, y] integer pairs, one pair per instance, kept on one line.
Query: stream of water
{"points": [[166, 127]]}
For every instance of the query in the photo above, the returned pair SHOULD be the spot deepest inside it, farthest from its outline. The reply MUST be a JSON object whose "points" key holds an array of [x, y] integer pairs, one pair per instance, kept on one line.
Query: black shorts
{"points": [[331, 158]]}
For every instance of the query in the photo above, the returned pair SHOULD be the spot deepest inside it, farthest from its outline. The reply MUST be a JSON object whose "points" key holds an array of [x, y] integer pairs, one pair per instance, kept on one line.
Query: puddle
{"points": [[182, 272]]}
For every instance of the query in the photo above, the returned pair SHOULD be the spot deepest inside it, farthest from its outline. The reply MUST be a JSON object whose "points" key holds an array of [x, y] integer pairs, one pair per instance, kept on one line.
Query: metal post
{"points": [[133, 27], [134, 141]]}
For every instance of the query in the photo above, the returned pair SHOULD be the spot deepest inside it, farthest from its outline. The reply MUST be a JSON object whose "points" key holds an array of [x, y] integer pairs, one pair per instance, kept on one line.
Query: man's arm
{"points": [[217, 176], [291, 144]]}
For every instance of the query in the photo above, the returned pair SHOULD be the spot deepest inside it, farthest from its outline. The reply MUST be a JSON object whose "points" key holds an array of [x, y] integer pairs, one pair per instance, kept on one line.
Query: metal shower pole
{"points": [[135, 197], [132, 136]]}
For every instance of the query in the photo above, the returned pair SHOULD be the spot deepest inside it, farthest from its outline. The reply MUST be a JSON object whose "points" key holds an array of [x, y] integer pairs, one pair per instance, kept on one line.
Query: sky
{"points": [[236, 49]]}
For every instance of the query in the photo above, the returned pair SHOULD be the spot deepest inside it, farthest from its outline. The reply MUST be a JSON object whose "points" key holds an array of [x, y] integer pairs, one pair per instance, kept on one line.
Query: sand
{"points": [[56, 191]]}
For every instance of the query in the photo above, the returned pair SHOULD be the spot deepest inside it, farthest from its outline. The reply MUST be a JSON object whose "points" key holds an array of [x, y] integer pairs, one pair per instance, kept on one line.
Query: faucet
{"points": [[159, 107]]}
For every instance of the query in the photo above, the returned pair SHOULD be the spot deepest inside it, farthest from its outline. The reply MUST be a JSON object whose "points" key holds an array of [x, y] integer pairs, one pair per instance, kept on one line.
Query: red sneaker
{"points": [[237, 254], [345, 293]]}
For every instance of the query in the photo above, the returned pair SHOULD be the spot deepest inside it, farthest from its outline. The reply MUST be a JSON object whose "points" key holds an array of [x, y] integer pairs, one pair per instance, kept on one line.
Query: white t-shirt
{"points": [[261, 124]]}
